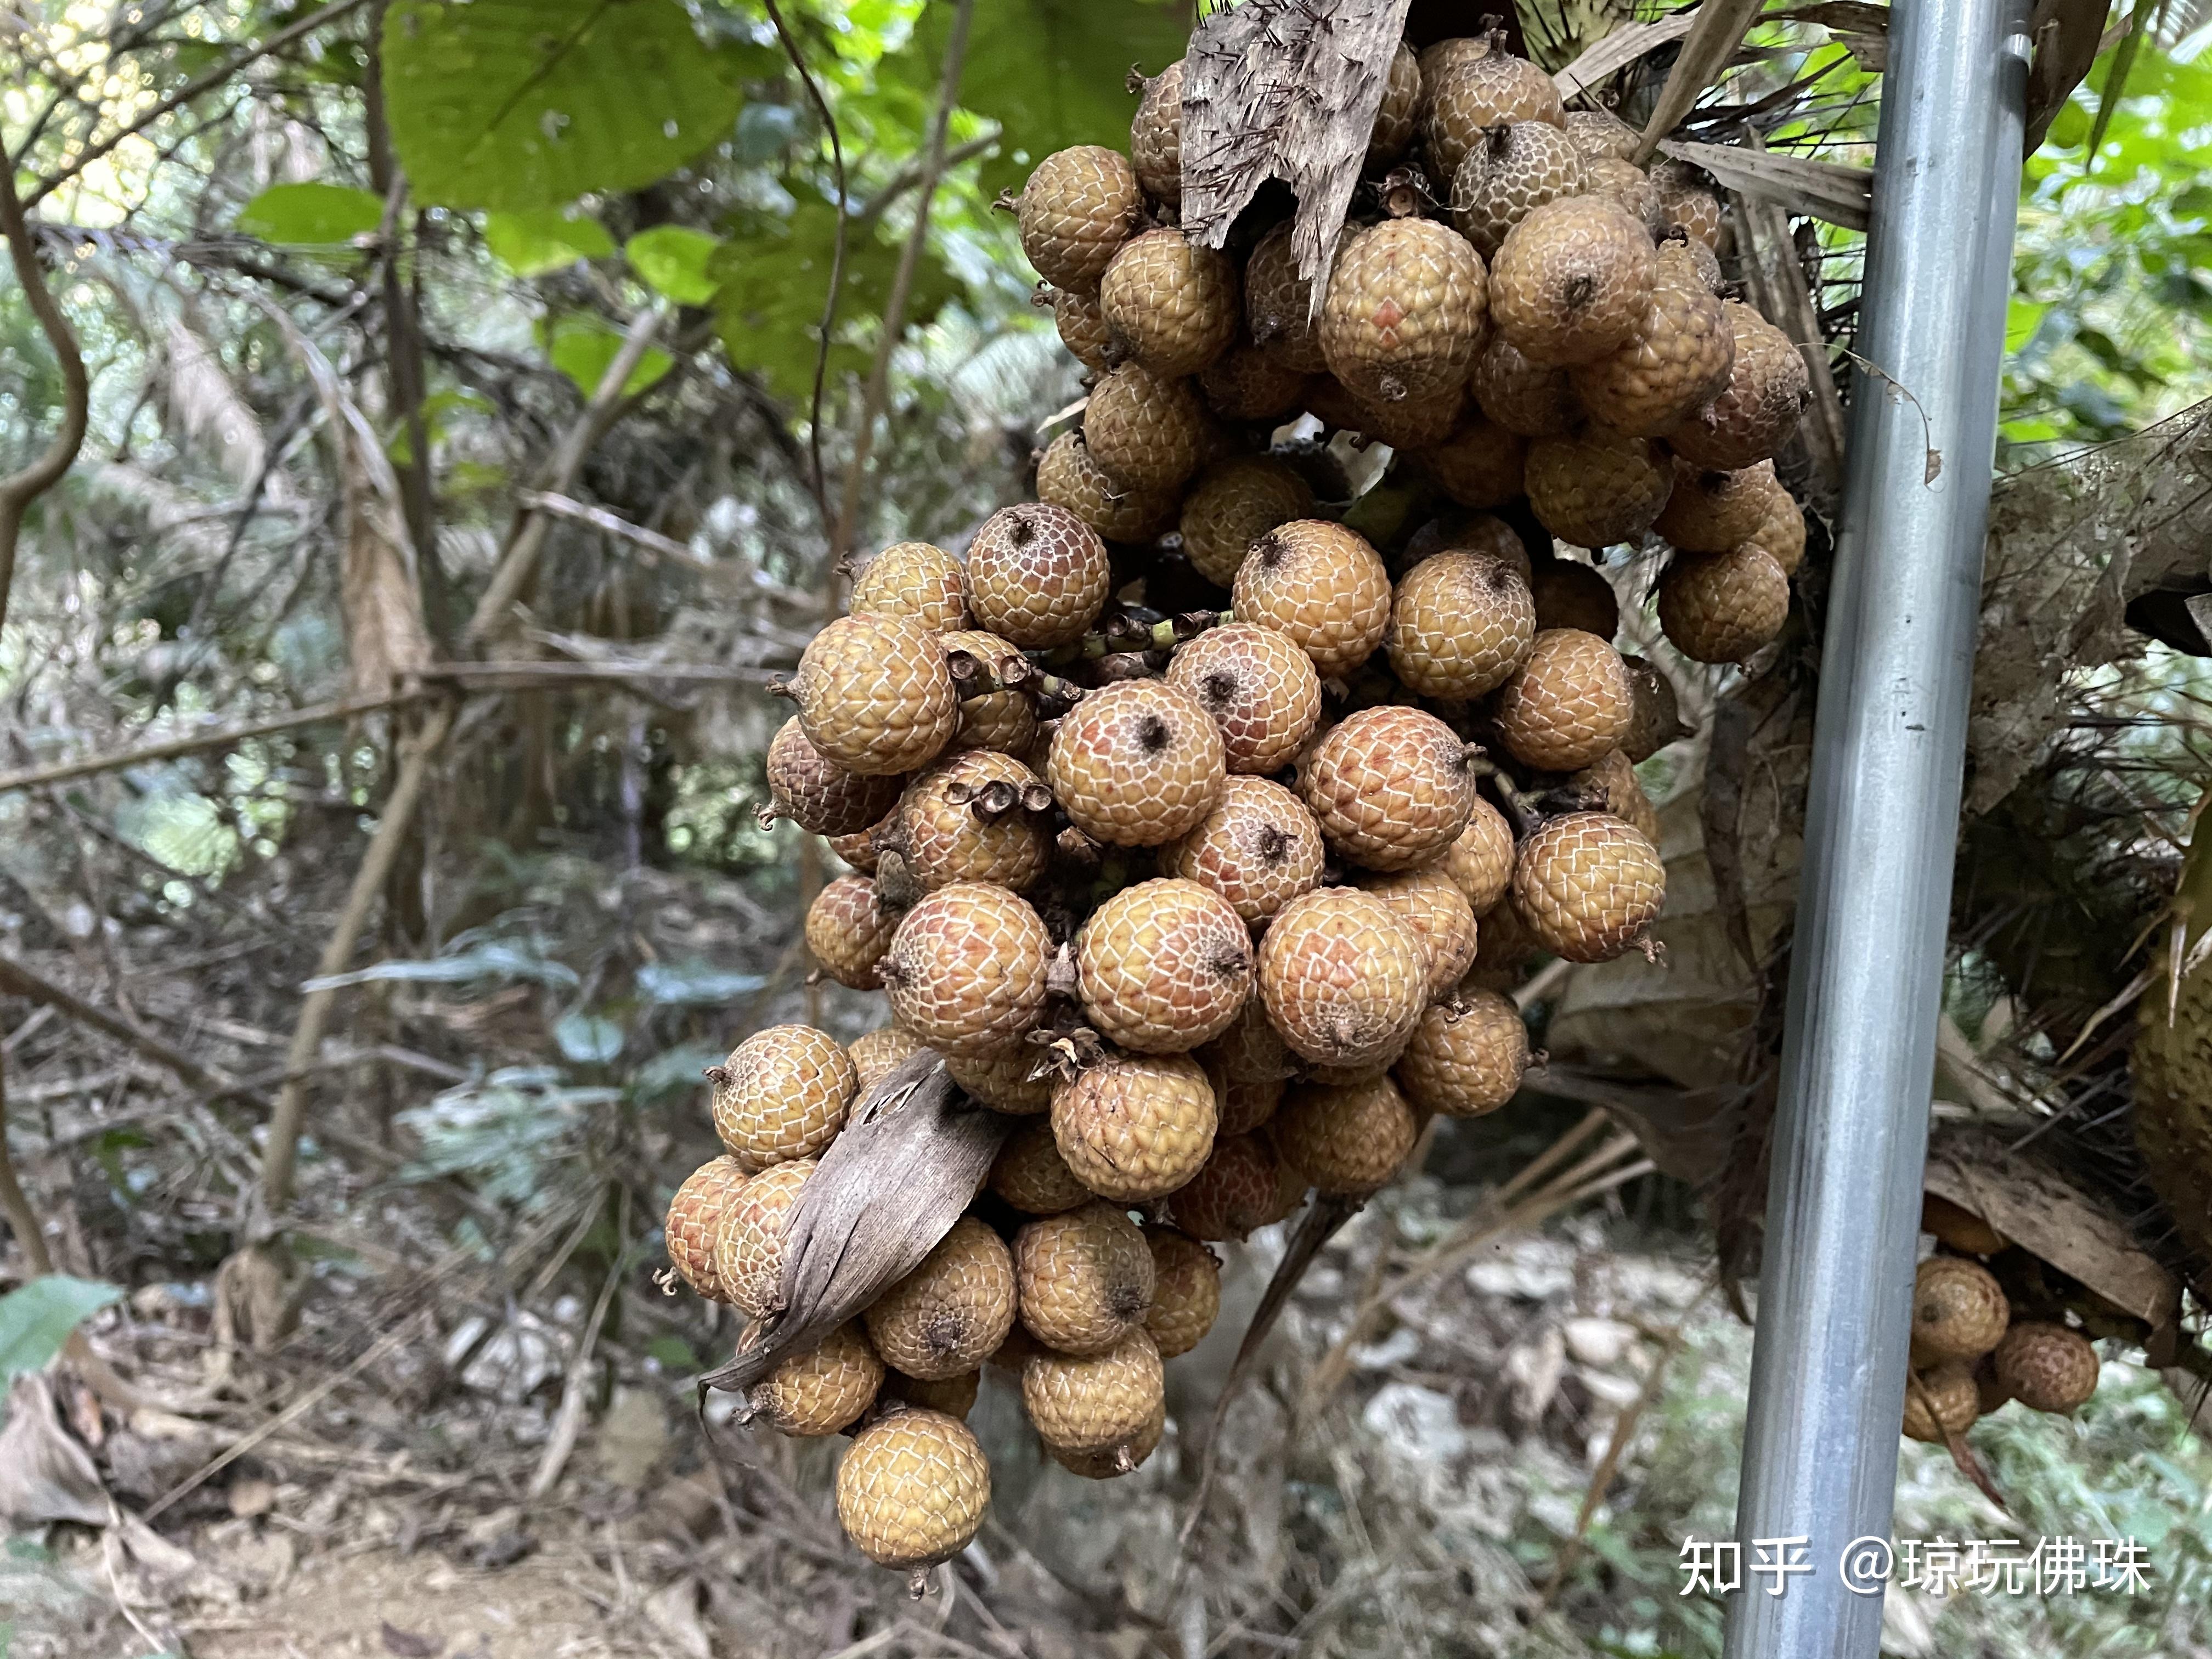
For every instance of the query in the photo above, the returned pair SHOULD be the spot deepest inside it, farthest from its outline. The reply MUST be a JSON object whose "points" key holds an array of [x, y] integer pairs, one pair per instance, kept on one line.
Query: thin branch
{"points": [[30, 1237], [31, 777], [192, 88], [912, 173], [880, 373], [17, 981], [20, 490]]}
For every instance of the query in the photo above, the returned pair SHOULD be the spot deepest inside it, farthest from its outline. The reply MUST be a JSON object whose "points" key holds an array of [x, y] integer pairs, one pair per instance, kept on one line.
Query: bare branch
{"points": [[20, 490]]}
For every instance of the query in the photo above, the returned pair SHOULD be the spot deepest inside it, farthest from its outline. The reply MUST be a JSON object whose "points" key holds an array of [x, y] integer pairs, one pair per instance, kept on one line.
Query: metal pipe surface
{"points": [[1828, 1384]]}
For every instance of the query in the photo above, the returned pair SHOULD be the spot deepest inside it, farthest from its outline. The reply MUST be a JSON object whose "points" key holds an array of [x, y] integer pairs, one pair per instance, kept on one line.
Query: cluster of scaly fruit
{"points": [[1972, 1352], [1200, 834]]}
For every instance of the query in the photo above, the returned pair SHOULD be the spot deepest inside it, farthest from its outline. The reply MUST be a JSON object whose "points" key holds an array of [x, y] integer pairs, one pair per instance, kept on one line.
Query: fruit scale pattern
{"points": [[1199, 833]]}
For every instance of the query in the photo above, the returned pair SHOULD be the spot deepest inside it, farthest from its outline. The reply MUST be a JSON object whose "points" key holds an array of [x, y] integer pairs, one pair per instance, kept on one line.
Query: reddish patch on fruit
{"points": [[1389, 314]]}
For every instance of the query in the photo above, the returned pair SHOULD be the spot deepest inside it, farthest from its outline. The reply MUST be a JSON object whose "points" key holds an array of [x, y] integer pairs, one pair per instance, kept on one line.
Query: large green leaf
{"points": [[673, 259], [1048, 71], [531, 244], [36, 1320], [584, 348], [311, 215], [521, 103]]}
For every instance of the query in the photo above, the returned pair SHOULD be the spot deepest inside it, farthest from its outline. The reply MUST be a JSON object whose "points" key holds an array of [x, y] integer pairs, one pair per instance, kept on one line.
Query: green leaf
{"points": [[673, 1352], [586, 1039], [2022, 318], [311, 215], [520, 104], [584, 348], [36, 1320], [547, 238], [673, 259], [2116, 78]]}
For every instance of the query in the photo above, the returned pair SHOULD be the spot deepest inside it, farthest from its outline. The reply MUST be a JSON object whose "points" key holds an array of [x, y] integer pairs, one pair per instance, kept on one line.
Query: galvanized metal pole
{"points": [[1827, 1385]]}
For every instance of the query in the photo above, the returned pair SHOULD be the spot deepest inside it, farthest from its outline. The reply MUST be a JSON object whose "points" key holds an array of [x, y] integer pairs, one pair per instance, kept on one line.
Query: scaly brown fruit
{"points": [[1781, 529], [1079, 205], [1465, 1060], [1233, 1193], [783, 1094], [1037, 576], [1571, 702], [1147, 431], [1250, 383], [1411, 423], [1395, 118], [1613, 778], [1259, 850], [857, 848], [1243, 1106], [1430, 903], [1261, 690], [1136, 764], [1480, 862], [814, 793], [1755, 413], [1322, 585], [1070, 477], [1569, 593], [1461, 624], [953, 1395], [748, 1250], [876, 1054], [1081, 325], [1948, 1398], [1095, 1402], [1711, 512], [1187, 1294], [1005, 1085], [1657, 720], [1722, 607], [1407, 311], [1156, 135], [945, 838], [1116, 1462], [1084, 1278], [1572, 281], [1232, 505], [1136, 1126], [695, 1216], [1502, 953], [966, 970], [822, 1390], [1478, 464], [1686, 199], [1171, 304], [951, 1312], [913, 1490], [1390, 786], [1959, 1311], [1278, 305], [2047, 1368], [1599, 132], [1462, 531], [1597, 488], [1346, 1140], [1512, 169], [848, 930], [1163, 966], [915, 580], [1678, 359], [1626, 182], [1438, 59], [1031, 1175], [1344, 980], [874, 695], [1005, 720], [1535, 400], [1251, 1051], [1588, 885], [1469, 97]]}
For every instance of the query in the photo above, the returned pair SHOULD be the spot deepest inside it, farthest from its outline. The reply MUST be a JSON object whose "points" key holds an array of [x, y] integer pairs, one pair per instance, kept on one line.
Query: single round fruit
{"points": [[966, 970], [1613, 779], [1657, 720], [1070, 477], [1187, 1294], [1711, 512], [1261, 690], [1037, 576], [1460, 623], [1683, 259], [1467, 1060], [951, 1312], [1569, 593], [1171, 304], [695, 1216], [1469, 98], [1685, 199], [953, 1395], [2047, 1368], [1587, 886], [1722, 607], [914, 1488], [1678, 359], [1754, 414], [1098, 1401], [1232, 505], [822, 1390], [1084, 1278], [947, 830], [1136, 764], [1572, 281], [847, 930], [1005, 1085], [1156, 135], [783, 1094], [818, 795], [1502, 952], [1233, 1193], [1163, 966], [874, 695], [876, 1054], [1115, 1461], [1430, 903], [1137, 1127], [1407, 311], [1322, 585], [1243, 1106], [1536, 400], [1480, 862], [1259, 850], [1148, 433], [1599, 132], [1597, 488], [748, 1250], [1394, 118], [1344, 980], [1278, 305], [1410, 423], [1781, 530], [1947, 1398], [1346, 1140], [1627, 184], [1081, 326], [1250, 383], [1390, 786], [1438, 59], [915, 580], [1079, 205], [1460, 531], [1568, 703], [1479, 464], [1006, 720], [857, 848], [1031, 1175], [1959, 1311], [1513, 169], [1251, 1051]]}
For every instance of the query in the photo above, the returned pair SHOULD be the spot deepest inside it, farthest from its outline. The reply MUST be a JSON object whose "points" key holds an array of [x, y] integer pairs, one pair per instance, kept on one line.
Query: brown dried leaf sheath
{"points": [[912, 1155], [1287, 89]]}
